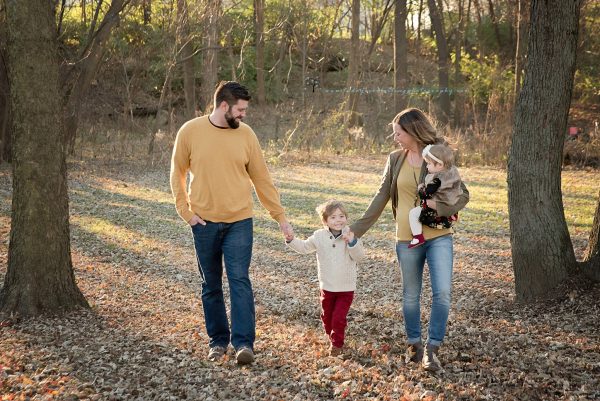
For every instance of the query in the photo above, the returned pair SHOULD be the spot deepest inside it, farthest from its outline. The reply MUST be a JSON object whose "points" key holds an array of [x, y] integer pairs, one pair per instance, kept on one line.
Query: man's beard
{"points": [[232, 121]]}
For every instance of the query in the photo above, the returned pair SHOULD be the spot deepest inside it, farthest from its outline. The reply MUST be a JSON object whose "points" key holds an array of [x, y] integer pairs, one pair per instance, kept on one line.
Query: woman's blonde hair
{"points": [[418, 125], [324, 210]]}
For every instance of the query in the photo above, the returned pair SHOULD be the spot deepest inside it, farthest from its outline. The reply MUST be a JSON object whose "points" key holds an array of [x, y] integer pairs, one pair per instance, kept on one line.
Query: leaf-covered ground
{"points": [[144, 339]]}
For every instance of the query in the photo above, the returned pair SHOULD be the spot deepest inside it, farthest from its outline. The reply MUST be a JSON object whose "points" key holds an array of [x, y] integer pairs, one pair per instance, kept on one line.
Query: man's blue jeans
{"points": [[439, 255], [230, 243]]}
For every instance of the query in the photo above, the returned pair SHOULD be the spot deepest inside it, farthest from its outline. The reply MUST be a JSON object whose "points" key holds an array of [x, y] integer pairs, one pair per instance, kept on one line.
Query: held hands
{"points": [[347, 234], [286, 227], [196, 220], [287, 230]]}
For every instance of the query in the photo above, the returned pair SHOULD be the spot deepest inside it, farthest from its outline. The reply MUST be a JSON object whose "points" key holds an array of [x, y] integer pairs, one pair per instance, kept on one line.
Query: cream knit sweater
{"points": [[336, 261]]}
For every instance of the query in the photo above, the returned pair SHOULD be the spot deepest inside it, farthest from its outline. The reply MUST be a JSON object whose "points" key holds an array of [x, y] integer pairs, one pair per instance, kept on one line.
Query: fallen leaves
{"points": [[144, 338]]}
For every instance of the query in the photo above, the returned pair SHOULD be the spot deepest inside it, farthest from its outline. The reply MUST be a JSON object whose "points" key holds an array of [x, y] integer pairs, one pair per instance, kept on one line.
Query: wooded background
{"points": [[99, 89], [115, 80], [325, 74]]}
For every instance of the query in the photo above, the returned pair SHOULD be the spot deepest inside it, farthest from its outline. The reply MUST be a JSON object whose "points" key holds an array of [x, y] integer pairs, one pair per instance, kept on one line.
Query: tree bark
{"points": [[259, 22], [210, 61], [353, 66], [5, 114], [419, 14], [458, 80], [189, 82], [400, 53], [467, 24], [442, 53], [83, 12], [285, 37], [304, 52], [39, 277], [494, 21], [521, 43], [542, 252], [147, 11], [480, 43]]}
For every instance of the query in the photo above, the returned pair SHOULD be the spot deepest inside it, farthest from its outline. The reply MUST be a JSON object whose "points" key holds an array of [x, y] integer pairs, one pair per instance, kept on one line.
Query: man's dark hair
{"points": [[231, 92]]}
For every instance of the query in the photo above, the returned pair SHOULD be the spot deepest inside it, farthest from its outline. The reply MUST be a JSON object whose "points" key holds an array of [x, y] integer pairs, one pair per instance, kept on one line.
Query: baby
{"points": [[442, 183]]}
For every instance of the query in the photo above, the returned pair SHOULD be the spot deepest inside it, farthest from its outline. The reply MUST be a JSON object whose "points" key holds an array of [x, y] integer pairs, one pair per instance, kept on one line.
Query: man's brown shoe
{"points": [[216, 353], [244, 356]]}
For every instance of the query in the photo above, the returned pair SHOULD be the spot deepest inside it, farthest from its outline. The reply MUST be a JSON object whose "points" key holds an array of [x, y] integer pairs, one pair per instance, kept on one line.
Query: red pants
{"points": [[334, 309]]}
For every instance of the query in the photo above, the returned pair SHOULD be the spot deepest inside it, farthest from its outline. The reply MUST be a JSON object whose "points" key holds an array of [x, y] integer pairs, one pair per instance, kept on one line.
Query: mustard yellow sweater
{"points": [[223, 163]]}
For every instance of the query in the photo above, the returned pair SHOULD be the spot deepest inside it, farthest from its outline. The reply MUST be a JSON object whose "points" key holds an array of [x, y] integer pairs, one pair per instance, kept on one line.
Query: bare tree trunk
{"points": [[39, 277], [513, 16], [327, 44], [460, 31], [400, 53], [232, 58], [147, 11], [85, 71], [158, 120], [480, 46], [495, 24], [83, 12], [5, 114], [542, 252], [467, 22], [189, 82], [61, 15], [259, 22], [304, 51], [353, 66], [210, 61], [442, 52], [419, 15], [378, 24], [521, 43], [285, 36]]}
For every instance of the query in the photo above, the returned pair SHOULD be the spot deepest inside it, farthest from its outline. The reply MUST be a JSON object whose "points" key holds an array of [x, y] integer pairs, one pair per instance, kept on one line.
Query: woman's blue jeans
{"points": [[439, 255], [229, 244]]}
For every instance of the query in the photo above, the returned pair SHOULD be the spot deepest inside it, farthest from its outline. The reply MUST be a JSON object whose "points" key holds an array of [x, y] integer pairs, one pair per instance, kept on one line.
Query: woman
{"points": [[404, 170]]}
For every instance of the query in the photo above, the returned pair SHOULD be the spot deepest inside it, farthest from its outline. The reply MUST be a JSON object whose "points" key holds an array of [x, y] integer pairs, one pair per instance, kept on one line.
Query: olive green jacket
{"points": [[387, 190]]}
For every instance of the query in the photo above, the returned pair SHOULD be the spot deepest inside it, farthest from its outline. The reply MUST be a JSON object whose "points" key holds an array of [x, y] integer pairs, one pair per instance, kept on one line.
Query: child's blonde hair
{"points": [[442, 152], [324, 210]]}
